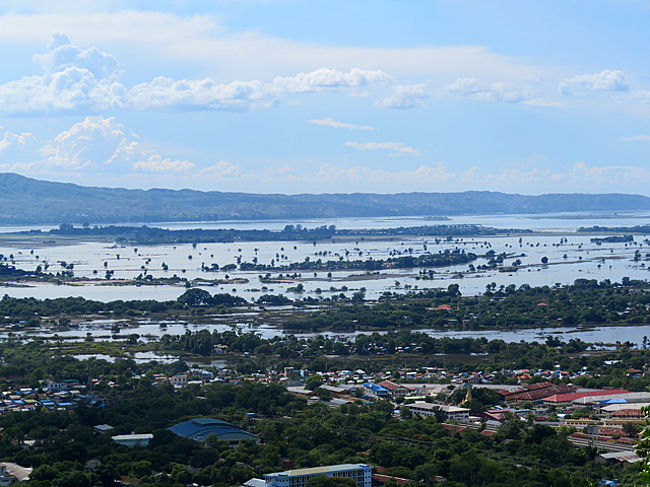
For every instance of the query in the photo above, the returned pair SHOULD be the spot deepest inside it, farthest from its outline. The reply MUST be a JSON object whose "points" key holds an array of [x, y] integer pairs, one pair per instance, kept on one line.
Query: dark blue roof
{"points": [[375, 387], [199, 428]]}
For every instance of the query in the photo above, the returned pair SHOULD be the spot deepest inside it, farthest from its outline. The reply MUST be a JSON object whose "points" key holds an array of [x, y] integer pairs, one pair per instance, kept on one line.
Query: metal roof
{"points": [[319, 470], [375, 387], [199, 429], [136, 436]]}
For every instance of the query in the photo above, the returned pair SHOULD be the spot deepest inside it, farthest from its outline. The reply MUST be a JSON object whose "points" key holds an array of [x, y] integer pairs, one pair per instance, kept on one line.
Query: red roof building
{"points": [[536, 392], [559, 399]]}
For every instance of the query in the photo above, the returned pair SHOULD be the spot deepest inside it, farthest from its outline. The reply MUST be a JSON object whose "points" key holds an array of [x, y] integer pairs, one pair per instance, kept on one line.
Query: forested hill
{"points": [[25, 200]]}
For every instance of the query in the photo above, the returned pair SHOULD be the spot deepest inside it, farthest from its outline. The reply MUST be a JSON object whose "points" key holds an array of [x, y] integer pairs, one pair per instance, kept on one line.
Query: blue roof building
{"points": [[376, 390], [198, 429]]}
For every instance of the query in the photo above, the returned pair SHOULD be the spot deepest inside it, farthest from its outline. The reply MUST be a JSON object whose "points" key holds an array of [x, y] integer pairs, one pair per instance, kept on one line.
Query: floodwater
{"points": [[569, 258], [100, 330]]}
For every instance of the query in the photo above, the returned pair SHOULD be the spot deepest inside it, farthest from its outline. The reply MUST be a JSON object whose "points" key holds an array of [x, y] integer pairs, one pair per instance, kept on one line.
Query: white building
{"points": [[359, 472], [178, 380], [454, 413]]}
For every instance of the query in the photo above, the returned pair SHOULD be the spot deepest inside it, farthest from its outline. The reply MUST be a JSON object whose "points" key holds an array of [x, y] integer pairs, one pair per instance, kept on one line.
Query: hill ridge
{"points": [[26, 200]]}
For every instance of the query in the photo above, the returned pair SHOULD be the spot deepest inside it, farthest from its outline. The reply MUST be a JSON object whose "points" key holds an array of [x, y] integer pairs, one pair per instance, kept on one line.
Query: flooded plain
{"points": [[570, 256]]}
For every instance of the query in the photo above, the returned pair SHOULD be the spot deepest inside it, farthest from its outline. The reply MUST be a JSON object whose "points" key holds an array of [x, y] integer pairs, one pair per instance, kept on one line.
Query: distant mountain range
{"points": [[28, 201]]}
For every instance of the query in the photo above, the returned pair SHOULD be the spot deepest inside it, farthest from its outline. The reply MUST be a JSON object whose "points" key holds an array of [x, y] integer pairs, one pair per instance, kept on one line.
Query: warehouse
{"points": [[198, 429]]}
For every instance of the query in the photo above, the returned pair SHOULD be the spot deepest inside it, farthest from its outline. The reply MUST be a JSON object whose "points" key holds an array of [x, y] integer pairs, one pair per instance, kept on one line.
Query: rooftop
{"points": [[572, 396], [200, 428], [135, 436], [319, 470]]}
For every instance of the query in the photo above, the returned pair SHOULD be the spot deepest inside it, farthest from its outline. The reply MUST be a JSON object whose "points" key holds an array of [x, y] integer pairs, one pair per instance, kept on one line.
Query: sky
{"points": [[288, 96]]}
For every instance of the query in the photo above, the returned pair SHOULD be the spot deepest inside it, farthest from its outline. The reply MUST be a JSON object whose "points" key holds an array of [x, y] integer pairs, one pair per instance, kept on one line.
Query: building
{"points": [[198, 429], [536, 392], [178, 380], [53, 386], [567, 399], [11, 473], [396, 390], [133, 440], [359, 472], [375, 390], [624, 458], [453, 413], [102, 428], [605, 400]]}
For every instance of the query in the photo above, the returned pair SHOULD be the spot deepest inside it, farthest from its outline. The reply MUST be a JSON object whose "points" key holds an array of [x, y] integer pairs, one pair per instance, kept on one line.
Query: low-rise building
{"points": [[179, 380], [11, 473], [359, 472], [133, 440], [454, 413], [375, 390], [395, 389], [102, 428]]}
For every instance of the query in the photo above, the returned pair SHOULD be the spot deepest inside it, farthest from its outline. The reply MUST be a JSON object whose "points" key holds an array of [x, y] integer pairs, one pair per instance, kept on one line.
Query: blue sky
{"points": [[328, 96]]}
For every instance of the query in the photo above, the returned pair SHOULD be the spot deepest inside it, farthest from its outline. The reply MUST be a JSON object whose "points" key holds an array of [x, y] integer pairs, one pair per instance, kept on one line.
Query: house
{"points": [[375, 390], [179, 380], [52, 386], [338, 391], [395, 390]]}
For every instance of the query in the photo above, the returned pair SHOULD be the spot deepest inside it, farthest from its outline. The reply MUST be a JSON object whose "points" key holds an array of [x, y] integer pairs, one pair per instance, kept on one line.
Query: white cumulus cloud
{"points": [[205, 94], [63, 54], [70, 90], [405, 97], [607, 80], [77, 80], [327, 78], [95, 141], [97, 144]]}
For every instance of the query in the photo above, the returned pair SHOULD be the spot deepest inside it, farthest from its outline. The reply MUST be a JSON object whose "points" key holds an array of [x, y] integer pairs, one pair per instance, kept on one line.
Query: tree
{"points": [[630, 429], [313, 382], [195, 298], [405, 412]]}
